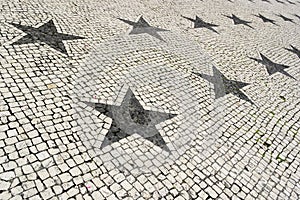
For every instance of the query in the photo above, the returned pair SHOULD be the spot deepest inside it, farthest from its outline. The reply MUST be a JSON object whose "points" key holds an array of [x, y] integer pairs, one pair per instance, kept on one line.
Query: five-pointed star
{"points": [[199, 23], [298, 16], [141, 26], [272, 67], [224, 86], [294, 50], [286, 18], [265, 19], [130, 118], [266, 1], [290, 2], [280, 1], [237, 21], [46, 33]]}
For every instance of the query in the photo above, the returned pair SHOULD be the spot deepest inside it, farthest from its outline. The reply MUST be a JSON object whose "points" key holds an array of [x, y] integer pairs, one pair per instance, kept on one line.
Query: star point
{"points": [[298, 16], [294, 50]]}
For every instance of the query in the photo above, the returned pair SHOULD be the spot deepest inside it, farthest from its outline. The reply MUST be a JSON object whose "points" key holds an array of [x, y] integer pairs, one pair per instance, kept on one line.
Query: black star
{"points": [[199, 23], [265, 19], [237, 20], [46, 33], [131, 118], [224, 86], [297, 16], [294, 50], [272, 67], [290, 2], [286, 18], [141, 26], [266, 1]]}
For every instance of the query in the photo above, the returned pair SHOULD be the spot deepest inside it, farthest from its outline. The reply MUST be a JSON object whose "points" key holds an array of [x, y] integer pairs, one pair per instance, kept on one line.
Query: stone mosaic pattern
{"points": [[218, 98]]}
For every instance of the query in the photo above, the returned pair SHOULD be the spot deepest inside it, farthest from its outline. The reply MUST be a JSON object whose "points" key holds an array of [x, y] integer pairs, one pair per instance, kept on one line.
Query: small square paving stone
{"points": [[4, 185], [27, 169]]}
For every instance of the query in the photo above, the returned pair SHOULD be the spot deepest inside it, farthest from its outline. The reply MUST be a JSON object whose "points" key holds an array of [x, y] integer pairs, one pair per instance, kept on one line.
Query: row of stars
{"points": [[278, 1], [48, 33], [200, 23]]}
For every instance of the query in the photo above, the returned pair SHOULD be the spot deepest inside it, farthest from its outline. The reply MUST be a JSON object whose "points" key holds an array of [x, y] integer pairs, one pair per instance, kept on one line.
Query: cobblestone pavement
{"points": [[150, 99]]}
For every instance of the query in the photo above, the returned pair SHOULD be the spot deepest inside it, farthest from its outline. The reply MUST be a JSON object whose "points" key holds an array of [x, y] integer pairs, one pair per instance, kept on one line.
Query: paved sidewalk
{"points": [[150, 99]]}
